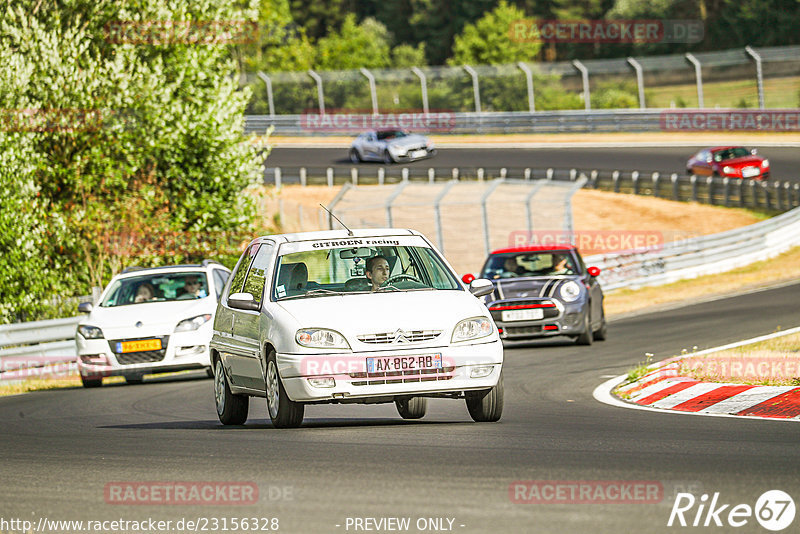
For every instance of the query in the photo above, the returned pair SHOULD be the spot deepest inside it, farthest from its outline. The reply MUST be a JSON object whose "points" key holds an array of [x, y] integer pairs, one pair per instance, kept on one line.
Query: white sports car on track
{"points": [[369, 316], [150, 321], [390, 146]]}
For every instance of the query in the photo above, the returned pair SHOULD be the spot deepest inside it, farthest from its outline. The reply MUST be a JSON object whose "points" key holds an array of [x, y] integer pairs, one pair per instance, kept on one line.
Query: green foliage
{"points": [[354, 45], [489, 41], [615, 95], [120, 138]]}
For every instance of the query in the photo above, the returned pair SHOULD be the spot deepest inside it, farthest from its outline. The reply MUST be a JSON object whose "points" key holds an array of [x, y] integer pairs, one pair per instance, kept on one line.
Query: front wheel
{"points": [[231, 409], [411, 407], [486, 406], [586, 336], [354, 156], [602, 333], [387, 157], [91, 382], [283, 412]]}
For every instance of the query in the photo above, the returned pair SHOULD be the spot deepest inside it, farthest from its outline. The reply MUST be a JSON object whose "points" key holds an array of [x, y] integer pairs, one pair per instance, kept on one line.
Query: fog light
{"points": [[188, 351], [481, 371], [327, 382], [94, 359]]}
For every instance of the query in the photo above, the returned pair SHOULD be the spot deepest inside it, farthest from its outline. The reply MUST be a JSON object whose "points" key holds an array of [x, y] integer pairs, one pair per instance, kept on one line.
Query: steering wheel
{"points": [[403, 276]]}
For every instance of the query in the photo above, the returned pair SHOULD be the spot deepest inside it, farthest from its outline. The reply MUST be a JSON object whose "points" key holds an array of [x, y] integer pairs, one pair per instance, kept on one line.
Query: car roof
{"points": [[534, 248], [718, 148], [138, 271], [357, 233]]}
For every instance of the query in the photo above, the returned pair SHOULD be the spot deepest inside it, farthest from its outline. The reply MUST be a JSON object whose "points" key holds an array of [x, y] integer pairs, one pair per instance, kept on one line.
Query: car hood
{"points": [[156, 318], [744, 161], [370, 313], [533, 287], [409, 140]]}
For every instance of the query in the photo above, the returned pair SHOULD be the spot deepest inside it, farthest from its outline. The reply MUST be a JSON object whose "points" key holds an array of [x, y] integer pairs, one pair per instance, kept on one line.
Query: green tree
{"points": [[489, 41], [354, 45]]}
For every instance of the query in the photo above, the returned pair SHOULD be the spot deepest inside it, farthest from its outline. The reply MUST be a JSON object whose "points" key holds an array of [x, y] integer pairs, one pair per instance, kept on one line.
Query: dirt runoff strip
{"points": [[759, 377]]}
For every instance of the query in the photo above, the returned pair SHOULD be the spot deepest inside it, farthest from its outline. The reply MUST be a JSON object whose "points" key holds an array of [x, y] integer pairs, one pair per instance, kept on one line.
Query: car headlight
{"points": [[194, 323], [399, 151], [474, 328], [570, 291], [321, 338], [90, 332], [728, 170], [765, 163]]}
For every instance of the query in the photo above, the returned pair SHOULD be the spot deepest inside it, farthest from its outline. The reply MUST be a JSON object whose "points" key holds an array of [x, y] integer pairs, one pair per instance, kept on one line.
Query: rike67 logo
{"points": [[774, 510]]}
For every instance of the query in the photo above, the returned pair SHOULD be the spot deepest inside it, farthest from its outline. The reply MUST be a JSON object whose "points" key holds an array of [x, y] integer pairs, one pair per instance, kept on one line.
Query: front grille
{"points": [[397, 377], [415, 336], [131, 358], [522, 330], [546, 305]]}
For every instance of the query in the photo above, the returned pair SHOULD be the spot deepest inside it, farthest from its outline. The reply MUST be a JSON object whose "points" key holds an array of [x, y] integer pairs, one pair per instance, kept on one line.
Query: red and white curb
{"points": [[664, 389]]}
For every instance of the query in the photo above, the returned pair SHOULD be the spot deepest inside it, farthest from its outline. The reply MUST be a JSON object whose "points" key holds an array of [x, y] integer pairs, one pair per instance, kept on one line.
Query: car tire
{"points": [[133, 380], [586, 337], [283, 412], [355, 157], [486, 406], [231, 409], [91, 382], [602, 333], [411, 407], [387, 157]]}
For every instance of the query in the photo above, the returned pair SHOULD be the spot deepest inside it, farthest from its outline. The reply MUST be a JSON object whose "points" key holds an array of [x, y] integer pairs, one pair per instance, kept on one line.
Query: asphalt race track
{"points": [[61, 448], [784, 161]]}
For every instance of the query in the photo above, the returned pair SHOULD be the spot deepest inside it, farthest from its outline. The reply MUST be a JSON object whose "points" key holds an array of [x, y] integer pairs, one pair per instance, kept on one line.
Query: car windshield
{"points": [[337, 271], [158, 287], [514, 265], [391, 134], [731, 153]]}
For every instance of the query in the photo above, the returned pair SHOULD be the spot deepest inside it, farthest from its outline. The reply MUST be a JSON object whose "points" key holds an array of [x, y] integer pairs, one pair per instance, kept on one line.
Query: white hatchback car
{"points": [[369, 316], [150, 321]]}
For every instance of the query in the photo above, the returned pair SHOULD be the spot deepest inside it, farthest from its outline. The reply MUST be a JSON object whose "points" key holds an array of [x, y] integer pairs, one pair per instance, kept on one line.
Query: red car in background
{"points": [[730, 161]]}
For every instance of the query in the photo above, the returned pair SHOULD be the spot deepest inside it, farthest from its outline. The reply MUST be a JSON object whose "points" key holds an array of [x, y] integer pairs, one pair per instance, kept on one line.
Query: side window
{"points": [[257, 277], [241, 269], [220, 277]]}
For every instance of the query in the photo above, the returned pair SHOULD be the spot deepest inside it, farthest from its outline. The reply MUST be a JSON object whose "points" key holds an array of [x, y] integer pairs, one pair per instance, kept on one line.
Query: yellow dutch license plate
{"points": [[140, 345]]}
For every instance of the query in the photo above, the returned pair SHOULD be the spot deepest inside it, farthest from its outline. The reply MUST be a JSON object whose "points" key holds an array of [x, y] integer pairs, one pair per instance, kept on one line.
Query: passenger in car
{"points": [[560, 265], [144, 293]]}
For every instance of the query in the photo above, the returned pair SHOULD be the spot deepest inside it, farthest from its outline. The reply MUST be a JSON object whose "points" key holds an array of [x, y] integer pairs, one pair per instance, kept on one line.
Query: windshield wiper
{"points": [[312, 293]]}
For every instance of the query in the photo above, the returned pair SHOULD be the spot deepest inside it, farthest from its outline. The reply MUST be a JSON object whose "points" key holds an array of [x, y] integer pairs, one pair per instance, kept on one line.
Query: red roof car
{"points": [[730, 161]]}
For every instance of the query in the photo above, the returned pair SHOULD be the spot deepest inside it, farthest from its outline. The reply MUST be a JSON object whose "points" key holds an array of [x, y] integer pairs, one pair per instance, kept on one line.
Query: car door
{"points": [[229, 347], [371, 146], [702, 166], [248, 366]]}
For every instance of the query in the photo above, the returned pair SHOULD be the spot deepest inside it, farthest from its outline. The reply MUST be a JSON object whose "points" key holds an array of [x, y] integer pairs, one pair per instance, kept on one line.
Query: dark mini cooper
{"points": [[544, 291]]}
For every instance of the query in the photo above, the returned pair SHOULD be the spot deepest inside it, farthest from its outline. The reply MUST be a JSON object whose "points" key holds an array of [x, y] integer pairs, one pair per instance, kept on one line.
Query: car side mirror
{"points": [[593, 271], [243, 301], [468, 278], [480, 287], [85, 307]]}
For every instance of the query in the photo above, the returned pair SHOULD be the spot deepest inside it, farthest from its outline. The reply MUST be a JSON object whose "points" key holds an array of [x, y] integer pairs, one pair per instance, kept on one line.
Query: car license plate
{"points": [[391, 364], [140, 345], [748, 172], [522, 315], [418, 153]]}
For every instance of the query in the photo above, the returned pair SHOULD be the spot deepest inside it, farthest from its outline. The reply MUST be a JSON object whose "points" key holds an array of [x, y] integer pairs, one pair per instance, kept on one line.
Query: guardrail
{"points": [[700, 256], [36, 344], [772, 195], [563, 121]]}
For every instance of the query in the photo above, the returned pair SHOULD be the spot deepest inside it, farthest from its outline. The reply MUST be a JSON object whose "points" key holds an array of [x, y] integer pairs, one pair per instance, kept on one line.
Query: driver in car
{"points": [[377, 271]]}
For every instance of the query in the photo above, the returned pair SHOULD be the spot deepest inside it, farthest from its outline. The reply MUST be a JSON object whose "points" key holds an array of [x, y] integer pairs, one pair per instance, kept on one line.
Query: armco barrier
{"points": [[36, 344]]}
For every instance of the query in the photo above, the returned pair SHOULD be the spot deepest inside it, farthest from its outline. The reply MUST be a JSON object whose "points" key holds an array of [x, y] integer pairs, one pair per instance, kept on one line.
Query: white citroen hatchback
{"points": [[150, 321], [364, 316]]}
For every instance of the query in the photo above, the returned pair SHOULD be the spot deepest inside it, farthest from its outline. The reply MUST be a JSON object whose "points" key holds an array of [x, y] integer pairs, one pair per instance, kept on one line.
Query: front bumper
{"points": [[408, 157], [180, 351], [569, 321], [460, 365]]}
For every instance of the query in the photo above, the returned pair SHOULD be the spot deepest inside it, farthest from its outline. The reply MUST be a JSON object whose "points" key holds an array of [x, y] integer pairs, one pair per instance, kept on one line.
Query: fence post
{"points": [[381, 175], [573, 174], [639, 80], [404, 174], [503, 172], [615, 181], [278, 177], [437, 213], [767, 197], [455, 173], [778, 200], [656, 179], [485, 213], [397, 190], [320, 93], [796, 188], [698, 75], [710, 184], [354, 175], [476, 91], [268, 82], [538, 185], [635, 180], [550, 174], [527, 173], [480, 174], [594, 176], [339, 196], [741, 193], [423, 83], [753, 193], [529, 79], [759, 75], [431, 175], [329, 175], [676, 193], [303, 176], [693, 180], [585, 77], [373, 93], [726, 191]]}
